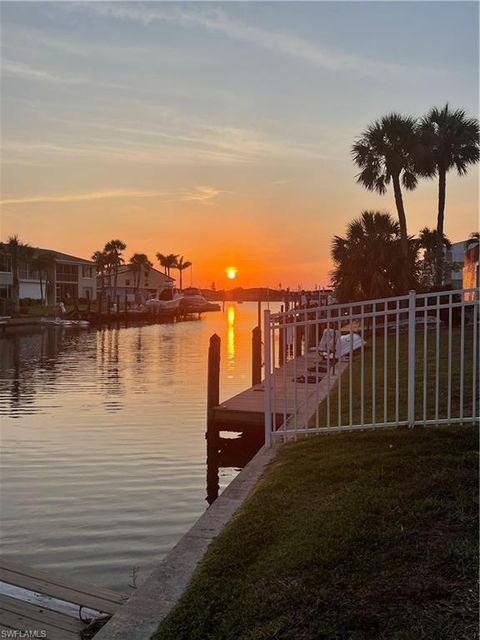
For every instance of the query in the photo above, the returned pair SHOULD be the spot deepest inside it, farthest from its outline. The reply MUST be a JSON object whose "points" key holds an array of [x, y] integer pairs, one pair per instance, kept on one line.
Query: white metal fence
{"points": [[409, 360]]}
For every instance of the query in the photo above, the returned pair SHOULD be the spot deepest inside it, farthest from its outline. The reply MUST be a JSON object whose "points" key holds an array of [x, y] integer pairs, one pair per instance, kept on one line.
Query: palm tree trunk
{"points": [[15, 283], [180, 271], [115, 277], [402, 220], [442, 186]]}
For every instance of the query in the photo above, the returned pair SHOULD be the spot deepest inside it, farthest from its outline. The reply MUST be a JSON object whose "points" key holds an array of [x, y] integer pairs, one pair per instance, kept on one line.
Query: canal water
{"points": [[103, 440]]}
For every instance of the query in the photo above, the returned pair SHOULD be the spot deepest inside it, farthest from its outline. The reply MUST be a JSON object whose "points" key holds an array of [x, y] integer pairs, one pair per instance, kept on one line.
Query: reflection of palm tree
{"points": [[114, 249], [448, 140], [181, 266], [384, 152], [167, 261], [369, 259]]}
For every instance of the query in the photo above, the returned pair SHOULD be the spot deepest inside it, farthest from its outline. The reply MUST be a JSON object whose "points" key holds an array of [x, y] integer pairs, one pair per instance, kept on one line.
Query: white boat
{"points": [[336, 346], [193, 299], [169, 300]]}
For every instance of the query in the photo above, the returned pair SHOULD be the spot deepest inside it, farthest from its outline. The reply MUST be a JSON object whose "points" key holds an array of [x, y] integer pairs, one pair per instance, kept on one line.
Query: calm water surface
{"points": [[103, 448]]}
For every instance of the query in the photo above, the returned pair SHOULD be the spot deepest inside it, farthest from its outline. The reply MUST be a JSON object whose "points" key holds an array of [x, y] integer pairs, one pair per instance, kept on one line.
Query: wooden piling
{"points": [[213, 392], [256, 356], [118, 305]]}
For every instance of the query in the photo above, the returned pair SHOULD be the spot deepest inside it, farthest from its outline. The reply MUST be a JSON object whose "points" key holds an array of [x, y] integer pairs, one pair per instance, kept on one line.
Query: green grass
{"points": [[384, 400], [356, 536]]}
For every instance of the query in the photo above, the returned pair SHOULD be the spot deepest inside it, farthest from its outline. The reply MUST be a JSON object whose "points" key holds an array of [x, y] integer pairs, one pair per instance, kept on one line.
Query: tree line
{"points": [[20, 254], [109, 260], [398, 151]]}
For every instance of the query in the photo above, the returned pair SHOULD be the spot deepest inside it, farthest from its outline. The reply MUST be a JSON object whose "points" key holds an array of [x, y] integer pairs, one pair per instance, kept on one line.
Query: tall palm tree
{"points": [[427, 241], [113, 250], [181, 266], [369, 260], [139, 263], [386, 152], [19, 253], [167, 261], [44, 263], [447, 140]]}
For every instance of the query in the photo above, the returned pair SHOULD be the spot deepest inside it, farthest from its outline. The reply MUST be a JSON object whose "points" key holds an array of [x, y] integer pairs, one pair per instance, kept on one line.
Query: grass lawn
{"points": [[355, 536], [429, 401]]}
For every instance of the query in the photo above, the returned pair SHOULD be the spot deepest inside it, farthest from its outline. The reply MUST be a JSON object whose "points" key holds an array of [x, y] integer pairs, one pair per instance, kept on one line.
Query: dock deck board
{"points": [[25, 614], [246, 410]]}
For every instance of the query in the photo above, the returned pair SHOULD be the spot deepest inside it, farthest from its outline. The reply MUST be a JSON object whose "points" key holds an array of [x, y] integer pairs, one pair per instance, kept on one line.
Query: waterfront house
{"points": [[67, 278], [150, 284]]}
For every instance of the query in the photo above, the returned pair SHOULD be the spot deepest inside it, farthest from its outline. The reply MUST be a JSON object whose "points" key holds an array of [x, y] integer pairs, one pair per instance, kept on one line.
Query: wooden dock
{"points": [[51, 606], [291, 399]]}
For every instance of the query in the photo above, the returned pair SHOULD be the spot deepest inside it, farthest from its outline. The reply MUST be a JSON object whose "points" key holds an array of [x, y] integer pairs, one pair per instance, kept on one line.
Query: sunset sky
{"points": [[220, 131]]}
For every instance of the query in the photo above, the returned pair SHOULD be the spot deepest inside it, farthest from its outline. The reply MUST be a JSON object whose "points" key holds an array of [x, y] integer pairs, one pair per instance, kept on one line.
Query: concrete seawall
{"points": [[164, 583]]}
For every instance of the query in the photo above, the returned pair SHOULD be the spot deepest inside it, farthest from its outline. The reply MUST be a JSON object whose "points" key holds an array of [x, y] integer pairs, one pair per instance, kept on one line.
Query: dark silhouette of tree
{"points": [[44, 263], [20, 253], [167, 261], [369, 261], [140, 264], [113, 251], [427, 243], [385, 152], [447, 140], [181, 266]]}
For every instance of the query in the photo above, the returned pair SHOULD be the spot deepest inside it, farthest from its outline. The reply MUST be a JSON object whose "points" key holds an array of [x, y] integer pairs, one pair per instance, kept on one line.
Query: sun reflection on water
{"points": [[230, 339]]}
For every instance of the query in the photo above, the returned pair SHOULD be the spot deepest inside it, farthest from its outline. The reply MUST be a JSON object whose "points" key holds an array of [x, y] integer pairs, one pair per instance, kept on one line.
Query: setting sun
{"points": [[231, 273]]}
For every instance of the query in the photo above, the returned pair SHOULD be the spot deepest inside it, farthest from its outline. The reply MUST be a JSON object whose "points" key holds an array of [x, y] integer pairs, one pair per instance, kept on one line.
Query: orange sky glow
{"points": [[220, 133]]}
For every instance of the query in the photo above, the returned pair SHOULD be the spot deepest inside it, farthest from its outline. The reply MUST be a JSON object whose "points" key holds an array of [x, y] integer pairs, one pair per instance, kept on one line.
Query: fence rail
{"points": [[407, 360]]}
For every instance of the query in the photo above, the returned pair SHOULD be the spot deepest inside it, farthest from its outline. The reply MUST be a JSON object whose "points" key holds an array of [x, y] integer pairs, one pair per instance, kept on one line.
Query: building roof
{"points": [[127, 268], [64, 257]]}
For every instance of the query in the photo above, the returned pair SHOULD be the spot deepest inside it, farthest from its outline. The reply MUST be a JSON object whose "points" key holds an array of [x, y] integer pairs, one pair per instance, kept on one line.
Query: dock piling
{"points": [[213, 391], [256, 356]]}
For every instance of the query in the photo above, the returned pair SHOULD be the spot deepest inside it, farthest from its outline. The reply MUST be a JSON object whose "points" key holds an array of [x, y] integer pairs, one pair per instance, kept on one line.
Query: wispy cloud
{"points": [[80, 197], [217, 20], [203, 194], [20, 69]]}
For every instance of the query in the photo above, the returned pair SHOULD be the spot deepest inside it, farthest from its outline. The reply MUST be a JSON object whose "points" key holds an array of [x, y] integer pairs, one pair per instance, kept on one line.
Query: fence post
{"points": [[256, 356], [267, 381], [411, 357]]}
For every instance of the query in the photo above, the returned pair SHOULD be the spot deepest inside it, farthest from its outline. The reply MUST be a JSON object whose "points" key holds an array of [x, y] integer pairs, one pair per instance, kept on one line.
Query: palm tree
{"points": [[44, 263], [473, 240], [139, 263], [427, 241], [113, 251], [385, 152], [101, 262], [19, 252], [447, 140], [167, 261], [181, 266], [369, 260]]}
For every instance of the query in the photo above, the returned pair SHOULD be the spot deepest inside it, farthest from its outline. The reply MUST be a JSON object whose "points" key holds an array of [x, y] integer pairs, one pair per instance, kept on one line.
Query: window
{"points": [[86, 272], [5, 263], [127, 283], [67, 272]]}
